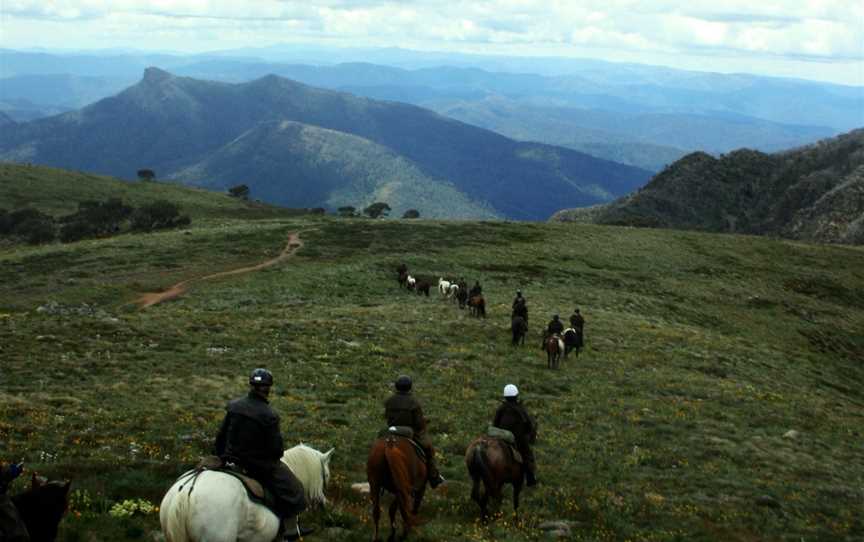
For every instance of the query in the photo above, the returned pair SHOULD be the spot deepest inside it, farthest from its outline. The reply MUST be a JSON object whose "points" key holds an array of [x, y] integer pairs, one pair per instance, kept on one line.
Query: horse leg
{"points": [[375, 492], [392, 512], [517, 488], [418, 498]]}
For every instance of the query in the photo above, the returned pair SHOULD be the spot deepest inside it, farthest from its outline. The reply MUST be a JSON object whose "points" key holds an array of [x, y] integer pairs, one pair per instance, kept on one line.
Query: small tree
{"points": [[240, 191], [377, 209], [347, 211], [317, 210], [146, 174], [411, 213]]}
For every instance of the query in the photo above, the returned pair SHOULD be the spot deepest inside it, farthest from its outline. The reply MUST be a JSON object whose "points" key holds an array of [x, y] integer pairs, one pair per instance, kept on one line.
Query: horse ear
{"points": [[328, 454]]}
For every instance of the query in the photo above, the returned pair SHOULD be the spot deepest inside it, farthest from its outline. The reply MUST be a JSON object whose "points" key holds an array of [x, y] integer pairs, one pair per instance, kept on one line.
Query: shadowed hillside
{"points": [[170, 123], [812, 193]]}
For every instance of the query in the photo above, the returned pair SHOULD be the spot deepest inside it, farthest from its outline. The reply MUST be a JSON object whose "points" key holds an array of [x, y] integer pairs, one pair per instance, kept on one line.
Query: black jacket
{"points": [[555, 326], [250, 434], [512, 416], [403, 409]]}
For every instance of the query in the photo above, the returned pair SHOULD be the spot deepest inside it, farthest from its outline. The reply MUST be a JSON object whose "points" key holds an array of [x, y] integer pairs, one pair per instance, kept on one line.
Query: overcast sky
{"points": [[812, 39]]}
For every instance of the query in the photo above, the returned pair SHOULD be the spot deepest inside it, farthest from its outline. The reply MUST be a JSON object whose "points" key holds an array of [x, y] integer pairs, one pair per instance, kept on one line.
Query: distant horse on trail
{"points": [[213, 506], [410, 282], [462, 297], [554, 347], [453, 292], [491, 461], [403, 279], [519, 327], [42, 507], [572, 341], [421, 286], [443, 287], [395, 466], [478, 306]]}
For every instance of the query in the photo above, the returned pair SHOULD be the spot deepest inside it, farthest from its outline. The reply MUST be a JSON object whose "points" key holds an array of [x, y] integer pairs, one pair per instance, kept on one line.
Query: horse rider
{"points": [[555, 327], [476, 289], [519, 306], [511, 415], [12, 529], [402, 408], [250, 437], [577, 322]]}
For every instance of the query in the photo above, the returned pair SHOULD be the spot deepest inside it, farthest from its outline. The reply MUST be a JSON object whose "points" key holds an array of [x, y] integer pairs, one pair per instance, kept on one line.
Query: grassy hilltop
{"points": [[703, 351]]}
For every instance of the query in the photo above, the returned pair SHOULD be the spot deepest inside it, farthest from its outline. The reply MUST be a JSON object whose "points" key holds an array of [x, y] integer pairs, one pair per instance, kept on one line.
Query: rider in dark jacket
{"points": [[511, 415], [11, 527], [555, 327], [250, 437], [402, 408]]}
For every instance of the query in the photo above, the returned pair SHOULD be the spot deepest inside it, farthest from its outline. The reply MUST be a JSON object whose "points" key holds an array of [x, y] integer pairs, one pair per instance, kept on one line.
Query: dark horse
{"points": [[572, 341], [42, 507], [519, 327], [553, 350], [491, 461], [462, 296], [394, 465], [478, 306]]}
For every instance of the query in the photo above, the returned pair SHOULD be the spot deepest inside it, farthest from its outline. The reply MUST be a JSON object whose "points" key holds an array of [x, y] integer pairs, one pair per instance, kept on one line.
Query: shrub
{"points": [[240, 191], [347, 211], [158, 215], [76, 231], [377, 209], [411, 213], [146, 174], [36, 230]]}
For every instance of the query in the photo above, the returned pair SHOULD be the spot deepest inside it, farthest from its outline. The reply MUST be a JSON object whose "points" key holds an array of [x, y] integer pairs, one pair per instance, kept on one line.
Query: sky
{"points": [[810, 39]]}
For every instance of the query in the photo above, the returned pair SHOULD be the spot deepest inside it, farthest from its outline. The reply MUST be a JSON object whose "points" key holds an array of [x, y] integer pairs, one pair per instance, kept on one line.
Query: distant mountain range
{"points": [[814, 193], [301, 146], [639, 115]]}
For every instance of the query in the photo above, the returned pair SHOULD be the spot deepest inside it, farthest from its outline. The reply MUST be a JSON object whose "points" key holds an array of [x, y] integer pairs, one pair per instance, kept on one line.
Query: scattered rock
{"points": [[350, 344], [361, 487], [791, 434], [217, 350], [556, 529]]}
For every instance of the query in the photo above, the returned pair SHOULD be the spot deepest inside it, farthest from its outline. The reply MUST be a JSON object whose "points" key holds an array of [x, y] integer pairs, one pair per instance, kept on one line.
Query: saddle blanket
{"points": [[406, 432]]}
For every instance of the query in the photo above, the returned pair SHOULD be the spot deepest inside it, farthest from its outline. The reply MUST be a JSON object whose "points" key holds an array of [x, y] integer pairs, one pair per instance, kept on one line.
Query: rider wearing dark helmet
{"points": [[250, 437], [511, 415], [12, 529], [402, 408]]}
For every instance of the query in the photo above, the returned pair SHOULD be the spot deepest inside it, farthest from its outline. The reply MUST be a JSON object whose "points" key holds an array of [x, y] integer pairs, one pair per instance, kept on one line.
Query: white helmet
{"points": [[510, 390]]}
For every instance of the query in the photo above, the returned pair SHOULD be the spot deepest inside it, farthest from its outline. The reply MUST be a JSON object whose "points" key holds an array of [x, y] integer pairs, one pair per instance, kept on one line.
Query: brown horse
{"points": [[553, 350], [394, 465], [491, 462], [478, 306]]}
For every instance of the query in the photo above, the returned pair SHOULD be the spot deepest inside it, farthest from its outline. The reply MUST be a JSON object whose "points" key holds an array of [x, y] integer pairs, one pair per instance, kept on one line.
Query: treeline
{"points": [[92, 219]]}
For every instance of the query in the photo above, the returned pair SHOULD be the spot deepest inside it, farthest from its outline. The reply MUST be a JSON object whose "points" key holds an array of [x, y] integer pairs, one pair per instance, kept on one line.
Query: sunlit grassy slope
{"points": [[703, 353]]}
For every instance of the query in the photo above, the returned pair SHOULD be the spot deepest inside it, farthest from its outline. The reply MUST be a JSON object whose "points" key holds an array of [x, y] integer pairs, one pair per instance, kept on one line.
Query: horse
{"points": [[462, 296], [410, 282], [394, 465], [554, 346], [521, 309], [403, 279], [443, 286], [572, 341], [478, 306], [490, 461], [41, 508], [422, 287], [519, 327], [219, 510], [453, 291]]}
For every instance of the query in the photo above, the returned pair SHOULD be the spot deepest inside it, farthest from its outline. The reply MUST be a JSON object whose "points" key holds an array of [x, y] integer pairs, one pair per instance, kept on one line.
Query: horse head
{"points": [[42, 507]]}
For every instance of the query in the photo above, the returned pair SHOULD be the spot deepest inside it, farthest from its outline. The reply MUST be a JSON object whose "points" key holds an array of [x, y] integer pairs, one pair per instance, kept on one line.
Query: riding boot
{"points": [[530, 473], [432, 475]]}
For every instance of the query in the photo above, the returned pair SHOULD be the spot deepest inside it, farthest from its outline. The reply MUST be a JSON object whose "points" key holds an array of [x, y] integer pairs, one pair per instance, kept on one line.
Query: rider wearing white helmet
{"points": [[511, 415]]}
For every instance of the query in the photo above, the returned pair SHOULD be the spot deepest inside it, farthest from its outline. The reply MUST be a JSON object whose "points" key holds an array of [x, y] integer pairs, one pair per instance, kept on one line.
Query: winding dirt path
{"points": [[146, 300]]}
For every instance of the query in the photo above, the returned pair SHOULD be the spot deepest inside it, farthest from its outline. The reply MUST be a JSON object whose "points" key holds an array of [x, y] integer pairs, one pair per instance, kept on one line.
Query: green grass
{"points": [[702, 352]]}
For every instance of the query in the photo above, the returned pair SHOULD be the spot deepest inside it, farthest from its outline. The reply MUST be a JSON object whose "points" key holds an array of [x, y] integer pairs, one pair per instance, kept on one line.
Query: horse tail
{"points": [[397, 462], [174, 514], [480, 469]]}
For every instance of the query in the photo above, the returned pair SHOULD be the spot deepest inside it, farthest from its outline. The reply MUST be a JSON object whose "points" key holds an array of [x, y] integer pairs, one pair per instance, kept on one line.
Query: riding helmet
{"points": [[261, 377], [511, 390], [403, 383]]}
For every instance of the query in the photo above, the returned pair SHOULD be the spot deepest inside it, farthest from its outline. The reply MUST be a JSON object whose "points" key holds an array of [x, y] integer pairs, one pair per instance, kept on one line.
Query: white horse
{"points": [[410, 282], [453, 291], [443, 286], [216, 508]]}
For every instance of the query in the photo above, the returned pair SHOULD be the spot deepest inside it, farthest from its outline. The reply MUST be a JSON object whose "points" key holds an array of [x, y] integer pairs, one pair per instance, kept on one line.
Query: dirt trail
{"points": [[146, 300]]}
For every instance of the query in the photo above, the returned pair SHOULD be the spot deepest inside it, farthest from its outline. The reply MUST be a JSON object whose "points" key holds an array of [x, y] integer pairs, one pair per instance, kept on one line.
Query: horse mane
{"points": [[306, 463]]}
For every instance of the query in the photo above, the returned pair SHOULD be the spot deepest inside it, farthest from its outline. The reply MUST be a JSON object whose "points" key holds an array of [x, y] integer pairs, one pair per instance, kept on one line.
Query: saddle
{"points": [[255, 490], [406, 432], [507, 437]]}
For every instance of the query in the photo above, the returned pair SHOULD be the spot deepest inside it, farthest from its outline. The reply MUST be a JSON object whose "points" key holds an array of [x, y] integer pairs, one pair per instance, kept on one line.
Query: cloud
{"points": [[825, 30]]}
